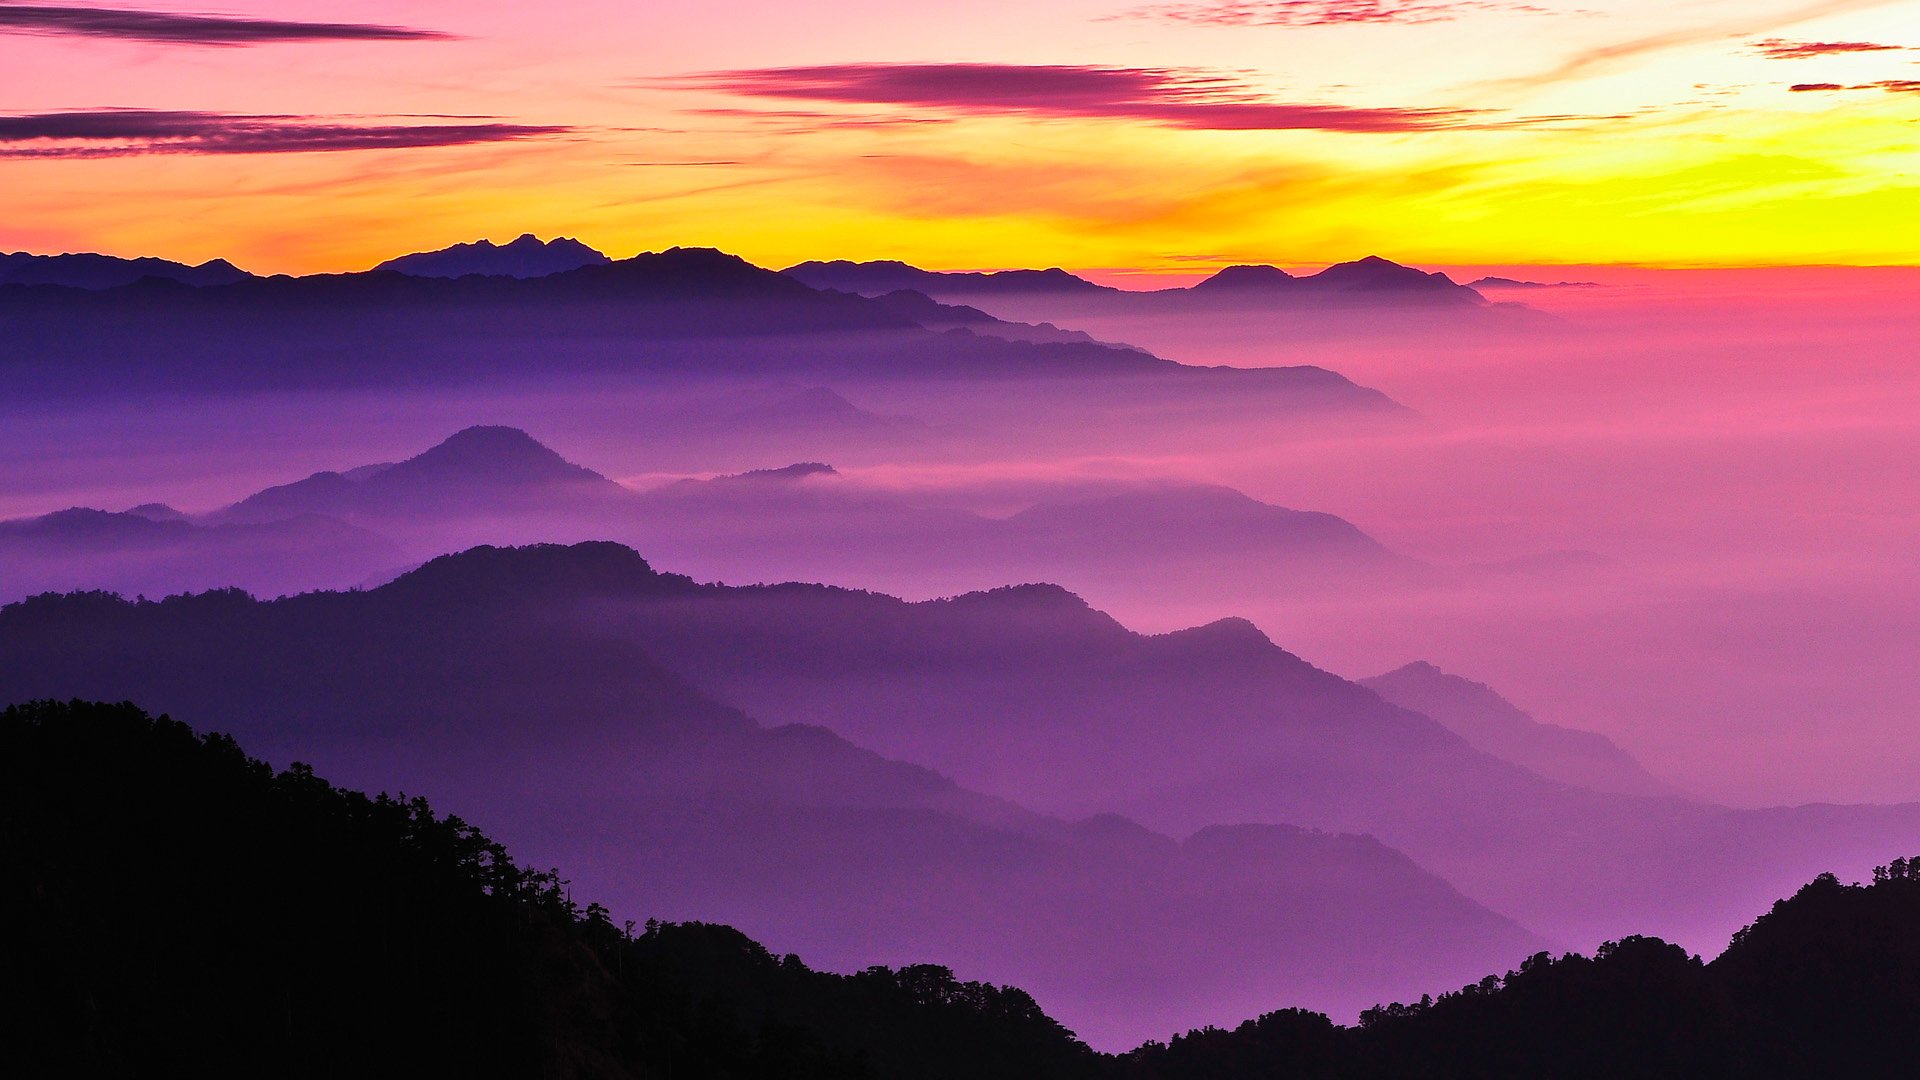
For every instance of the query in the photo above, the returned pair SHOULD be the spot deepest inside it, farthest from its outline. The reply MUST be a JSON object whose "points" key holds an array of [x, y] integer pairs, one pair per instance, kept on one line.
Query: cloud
{"points": [[189, 29], [1603, 57], [1891, 86], [1780, 49], [1181, 98], [107, 133], [1328, 12]]}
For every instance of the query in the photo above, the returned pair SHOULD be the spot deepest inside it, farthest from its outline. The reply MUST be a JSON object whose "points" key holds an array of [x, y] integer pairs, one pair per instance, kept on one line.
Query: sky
{"points": [[1107, 135]]}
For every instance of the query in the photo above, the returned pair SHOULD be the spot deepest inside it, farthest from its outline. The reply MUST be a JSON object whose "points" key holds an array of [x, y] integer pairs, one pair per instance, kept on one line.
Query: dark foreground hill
{"points": [[176, 908], [179, 909]]}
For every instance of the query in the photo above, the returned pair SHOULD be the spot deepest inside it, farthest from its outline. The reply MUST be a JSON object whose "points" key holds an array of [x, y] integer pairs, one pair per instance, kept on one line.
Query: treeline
{"points": [[176, 908]]}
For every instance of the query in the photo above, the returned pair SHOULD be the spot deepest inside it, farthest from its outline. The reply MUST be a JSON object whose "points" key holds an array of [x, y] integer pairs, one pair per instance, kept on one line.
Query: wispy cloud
{"points": [[177, 28], [1781, 49], [1174, 97], [1328, 12], [1891, 86], [1603, 57], [107, 133]]}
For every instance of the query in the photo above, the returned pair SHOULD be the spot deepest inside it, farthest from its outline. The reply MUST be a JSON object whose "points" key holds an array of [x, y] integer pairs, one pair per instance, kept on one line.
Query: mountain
{"points": [[681, 318], [1370, 280], [402, 943], [1036, 697], [503, 681], [1822, 984], [887, 276], [1249, 277], [406, 943], [501, 485], [1491, 723], [90, 271], [1510, 283], [492, 470], [527, 257], [153, 551]]}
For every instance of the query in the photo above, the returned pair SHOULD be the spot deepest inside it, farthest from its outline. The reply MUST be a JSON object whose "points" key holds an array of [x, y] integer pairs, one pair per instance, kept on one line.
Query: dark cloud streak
{"points": [[1172, 97], [108, 133], [1780, 49], [173, 28], [1329, 12]]}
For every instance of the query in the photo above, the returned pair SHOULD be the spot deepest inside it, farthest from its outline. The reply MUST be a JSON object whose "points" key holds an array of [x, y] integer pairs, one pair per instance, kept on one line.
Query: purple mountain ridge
{"points": [[527, 257], [1478, 714], [494, 680]]}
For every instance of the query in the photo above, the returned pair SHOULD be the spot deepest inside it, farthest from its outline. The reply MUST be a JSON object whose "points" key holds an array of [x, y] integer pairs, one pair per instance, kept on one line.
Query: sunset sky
{"points": [[296, 135]]}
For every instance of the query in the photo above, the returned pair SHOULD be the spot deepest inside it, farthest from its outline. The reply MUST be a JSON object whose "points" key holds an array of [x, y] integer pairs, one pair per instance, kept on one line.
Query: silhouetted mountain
{"points": [[1250, 277], [797, 471], [286, 927], [506, 682], [157, 512], [526, 257], [403, 943], [1374, 274], [89, 271], [1825, 984], [886, 276], [1491, 723], [1510, 283], [1372, 280], [490, 470], [155, 551], [681, 317]]}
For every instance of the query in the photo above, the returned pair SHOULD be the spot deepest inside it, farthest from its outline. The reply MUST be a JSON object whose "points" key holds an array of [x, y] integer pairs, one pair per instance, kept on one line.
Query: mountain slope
{"points": [[1491, 723], [286, 927], [1036, 697], [492, 680]]}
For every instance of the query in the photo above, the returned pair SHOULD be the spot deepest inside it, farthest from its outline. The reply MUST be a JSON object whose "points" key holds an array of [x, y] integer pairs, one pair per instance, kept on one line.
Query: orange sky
{"points": [[1083, 133]]}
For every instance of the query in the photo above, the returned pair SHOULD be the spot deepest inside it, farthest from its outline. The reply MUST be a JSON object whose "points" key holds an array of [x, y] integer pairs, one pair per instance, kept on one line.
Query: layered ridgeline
{"points": [[366, 522], [682, 314], [283, 926], [498, 681], [1372, 281], [1283, 827]]}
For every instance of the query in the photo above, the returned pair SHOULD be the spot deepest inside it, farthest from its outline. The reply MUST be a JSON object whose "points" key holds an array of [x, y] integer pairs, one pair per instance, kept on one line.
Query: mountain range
{"points": [[1372, 280], [498, 485], [89, 271], [675, 318], [504, 681], [408, 943]]}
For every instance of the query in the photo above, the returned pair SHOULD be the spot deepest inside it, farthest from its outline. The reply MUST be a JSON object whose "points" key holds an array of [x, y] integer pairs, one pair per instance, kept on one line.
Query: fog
{"points": [[1731, 452]]}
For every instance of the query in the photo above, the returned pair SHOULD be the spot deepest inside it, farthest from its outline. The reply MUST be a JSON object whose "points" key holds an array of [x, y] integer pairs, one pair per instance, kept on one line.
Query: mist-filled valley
{"points": [[1328, 639]]}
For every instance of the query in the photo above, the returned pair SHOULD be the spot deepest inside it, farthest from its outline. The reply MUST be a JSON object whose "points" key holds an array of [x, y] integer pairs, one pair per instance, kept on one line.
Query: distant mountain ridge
{"points": [[526, 257], [86, 270], [1369, 279], [1477, 713]]}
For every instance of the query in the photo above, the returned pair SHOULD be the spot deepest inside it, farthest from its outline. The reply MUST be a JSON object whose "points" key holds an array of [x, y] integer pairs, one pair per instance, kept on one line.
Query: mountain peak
{"points": [[499, 453], [527, 256], [1250, 276]]}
